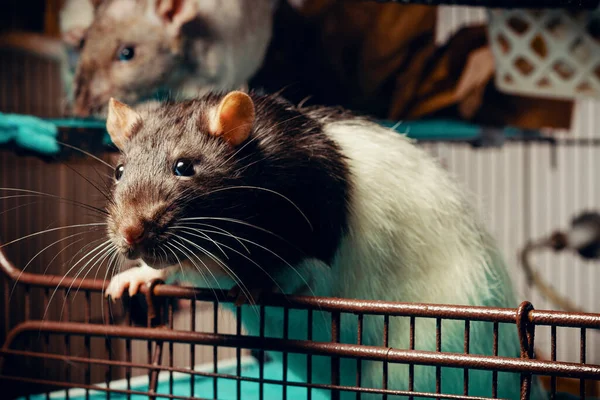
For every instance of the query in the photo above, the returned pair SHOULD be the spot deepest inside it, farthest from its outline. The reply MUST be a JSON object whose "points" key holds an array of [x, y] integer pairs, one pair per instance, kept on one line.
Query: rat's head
{"points": [[171, 162], [132, 49]]}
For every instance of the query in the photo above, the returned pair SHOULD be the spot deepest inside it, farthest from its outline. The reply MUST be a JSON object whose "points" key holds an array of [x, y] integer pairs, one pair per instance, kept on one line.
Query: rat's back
{"points": [[413, 237]]}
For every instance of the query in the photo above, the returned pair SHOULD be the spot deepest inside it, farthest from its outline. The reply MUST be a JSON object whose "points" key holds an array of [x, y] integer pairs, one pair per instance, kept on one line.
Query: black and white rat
{"points": [[252, 191], [137, 49]]}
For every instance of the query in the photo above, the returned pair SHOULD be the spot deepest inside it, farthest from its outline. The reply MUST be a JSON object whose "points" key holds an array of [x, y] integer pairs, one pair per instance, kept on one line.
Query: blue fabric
{"points": [[29, 133], [226, 390], [39, 135]]}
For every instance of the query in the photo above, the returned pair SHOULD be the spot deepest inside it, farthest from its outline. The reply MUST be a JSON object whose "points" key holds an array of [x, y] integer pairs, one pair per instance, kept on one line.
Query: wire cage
{"points": [[62, 339], [26, 349]]}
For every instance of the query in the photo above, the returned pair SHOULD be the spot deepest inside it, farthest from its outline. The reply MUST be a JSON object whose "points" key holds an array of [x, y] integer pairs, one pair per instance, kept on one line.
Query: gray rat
{"points": [[251, 192], [136, 49]]}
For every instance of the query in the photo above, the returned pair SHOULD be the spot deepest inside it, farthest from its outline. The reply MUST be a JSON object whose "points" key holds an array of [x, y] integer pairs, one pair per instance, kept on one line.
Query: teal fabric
{"points": [[446, 130], [226, 390], [435, 130], [29, 133], [39, 135]]}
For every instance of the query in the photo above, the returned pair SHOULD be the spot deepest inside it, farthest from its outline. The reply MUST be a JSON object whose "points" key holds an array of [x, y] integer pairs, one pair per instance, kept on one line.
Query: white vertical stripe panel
{"points": [[521, 196]]}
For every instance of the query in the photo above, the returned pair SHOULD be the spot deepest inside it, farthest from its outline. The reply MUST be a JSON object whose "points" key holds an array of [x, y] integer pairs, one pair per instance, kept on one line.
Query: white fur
{"points": [[121, 10]]}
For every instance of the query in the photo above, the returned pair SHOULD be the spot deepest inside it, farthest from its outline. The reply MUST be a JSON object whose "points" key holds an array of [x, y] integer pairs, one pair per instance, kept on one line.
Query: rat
{"points": [[253, 193], [138, 50]]}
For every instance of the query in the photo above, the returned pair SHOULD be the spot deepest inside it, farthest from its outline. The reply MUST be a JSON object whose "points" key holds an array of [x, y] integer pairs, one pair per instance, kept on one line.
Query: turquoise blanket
{"points": [[40, 136], [203, 386], [226, 389]]}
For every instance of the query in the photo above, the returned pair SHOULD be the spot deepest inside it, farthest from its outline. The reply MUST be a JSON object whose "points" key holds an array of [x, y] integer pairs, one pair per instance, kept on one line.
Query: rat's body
{"points": [[137, 49], [386, 223]]}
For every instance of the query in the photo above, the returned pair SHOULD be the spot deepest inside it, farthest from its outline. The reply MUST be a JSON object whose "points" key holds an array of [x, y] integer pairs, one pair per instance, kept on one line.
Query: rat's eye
{"points": [[126, 53], [183, 167], [119, 171]]}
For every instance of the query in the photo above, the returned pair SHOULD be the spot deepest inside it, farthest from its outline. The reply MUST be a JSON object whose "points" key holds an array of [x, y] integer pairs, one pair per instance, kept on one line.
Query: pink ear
{"points": [[121, 123], [234, 118], [176, 13], [74, 36]]}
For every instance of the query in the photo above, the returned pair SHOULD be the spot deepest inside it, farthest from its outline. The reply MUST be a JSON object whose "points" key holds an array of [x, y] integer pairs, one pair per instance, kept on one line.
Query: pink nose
{"points": [[133, 234]]}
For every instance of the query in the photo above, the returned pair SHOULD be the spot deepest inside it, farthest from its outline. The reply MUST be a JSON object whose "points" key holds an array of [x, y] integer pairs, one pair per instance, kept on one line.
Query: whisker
{"points": [[247, 258], [51, 230], [276, 255], [106, 242], [66, 247], [86, 153], [35, 256], [198, 268], [209, 238], [245, 291], [105, 253], [19, 206], [265, 190], [227, 270], [108, 268], [223, 230], [106, 195], [178, 261], [236, 221], [53, 196]]}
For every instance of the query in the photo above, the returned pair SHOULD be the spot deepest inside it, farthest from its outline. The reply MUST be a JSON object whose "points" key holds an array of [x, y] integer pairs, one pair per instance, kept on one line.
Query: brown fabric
{"points": [[385, 57]]}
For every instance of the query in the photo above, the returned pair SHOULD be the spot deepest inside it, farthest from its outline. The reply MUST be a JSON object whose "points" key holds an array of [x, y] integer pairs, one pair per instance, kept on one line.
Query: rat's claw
{"points": [[131, 280]]}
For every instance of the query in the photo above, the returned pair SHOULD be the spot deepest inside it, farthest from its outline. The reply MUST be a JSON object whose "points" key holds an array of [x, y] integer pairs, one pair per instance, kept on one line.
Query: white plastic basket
{"points": [[550, 53]]}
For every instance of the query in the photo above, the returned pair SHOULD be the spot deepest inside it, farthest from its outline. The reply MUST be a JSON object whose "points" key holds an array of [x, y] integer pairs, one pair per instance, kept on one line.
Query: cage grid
{"points": [[155, 328], [104, 335]]}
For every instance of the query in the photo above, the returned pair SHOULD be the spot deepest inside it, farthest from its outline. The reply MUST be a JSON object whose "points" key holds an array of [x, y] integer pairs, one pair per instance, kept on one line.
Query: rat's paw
{"points": [[131, 280]]}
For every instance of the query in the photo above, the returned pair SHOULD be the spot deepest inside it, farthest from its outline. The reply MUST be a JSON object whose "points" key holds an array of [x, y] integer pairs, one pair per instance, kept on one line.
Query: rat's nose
{"points": [[133, 234]]}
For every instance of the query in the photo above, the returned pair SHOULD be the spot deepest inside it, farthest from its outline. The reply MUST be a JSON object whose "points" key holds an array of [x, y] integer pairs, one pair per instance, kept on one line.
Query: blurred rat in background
{"points": [[137, 49]]}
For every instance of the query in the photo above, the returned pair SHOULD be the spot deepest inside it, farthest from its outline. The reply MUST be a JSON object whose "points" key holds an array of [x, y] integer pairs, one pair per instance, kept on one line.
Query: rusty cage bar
{"points": [[18, 353]]}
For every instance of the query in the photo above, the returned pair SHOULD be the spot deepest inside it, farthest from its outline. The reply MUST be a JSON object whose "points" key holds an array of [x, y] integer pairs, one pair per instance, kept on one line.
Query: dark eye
{"points": [[119, 171], [183, 167], [126, 53]]}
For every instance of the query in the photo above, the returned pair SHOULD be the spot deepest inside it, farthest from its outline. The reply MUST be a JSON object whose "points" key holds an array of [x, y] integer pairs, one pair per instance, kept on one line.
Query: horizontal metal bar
{"points": [[417, 357], [376, 307], [354, 389]]}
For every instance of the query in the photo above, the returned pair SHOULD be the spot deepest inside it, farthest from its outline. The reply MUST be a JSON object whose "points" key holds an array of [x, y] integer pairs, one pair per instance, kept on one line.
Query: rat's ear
{"points": [[122, 122], [233, 119], [74, 37], [176, 13]]}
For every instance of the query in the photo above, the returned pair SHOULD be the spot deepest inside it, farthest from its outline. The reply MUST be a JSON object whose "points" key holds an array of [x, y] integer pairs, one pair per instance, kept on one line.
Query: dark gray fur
{"points": [[287, 152]]}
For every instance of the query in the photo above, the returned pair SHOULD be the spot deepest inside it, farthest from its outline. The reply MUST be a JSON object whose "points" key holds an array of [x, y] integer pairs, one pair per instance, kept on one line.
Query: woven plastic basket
{"points": [[551, 53]]}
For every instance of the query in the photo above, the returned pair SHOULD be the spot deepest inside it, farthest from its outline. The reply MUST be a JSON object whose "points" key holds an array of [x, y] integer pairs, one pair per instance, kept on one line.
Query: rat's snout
{"points": [[140, 230], [133, 234]]}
